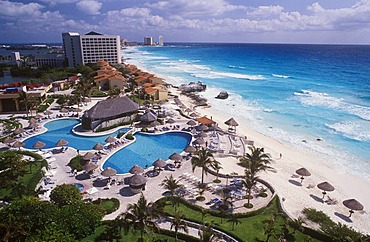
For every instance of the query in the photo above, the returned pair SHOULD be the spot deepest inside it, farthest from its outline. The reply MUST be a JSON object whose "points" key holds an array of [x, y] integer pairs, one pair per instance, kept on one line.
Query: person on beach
{"points": [[281, 155]]}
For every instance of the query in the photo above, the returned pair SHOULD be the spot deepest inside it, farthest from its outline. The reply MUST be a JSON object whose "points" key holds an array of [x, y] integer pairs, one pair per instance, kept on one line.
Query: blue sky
{"points": [[249, 21]]}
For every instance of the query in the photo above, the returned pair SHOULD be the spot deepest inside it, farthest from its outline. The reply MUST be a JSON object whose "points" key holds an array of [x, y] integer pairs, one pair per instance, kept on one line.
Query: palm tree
{"points": [[234, 220], [257, 161], [24, 98], [204, 159], [297, 224], [140, 215], [254, 163], [177, 223], [171, 185], [206, 233], [249, 182], [269, 227], [217, 166]]}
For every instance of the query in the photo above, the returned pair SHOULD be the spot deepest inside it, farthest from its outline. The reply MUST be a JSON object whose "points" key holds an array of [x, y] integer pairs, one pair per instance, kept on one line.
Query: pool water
{"points": [[62, 129], [79, 186], [144, 151], [147, 149]]}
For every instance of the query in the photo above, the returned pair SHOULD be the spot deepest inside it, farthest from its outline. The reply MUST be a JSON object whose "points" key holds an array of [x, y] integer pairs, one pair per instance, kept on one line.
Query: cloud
{"points": [[14, 9], [90, 7], [195, 8], [265, 12]]}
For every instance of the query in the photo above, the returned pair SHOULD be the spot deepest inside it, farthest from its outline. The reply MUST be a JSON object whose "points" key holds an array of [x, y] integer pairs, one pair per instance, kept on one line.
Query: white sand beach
{"points": [[295, 197]]}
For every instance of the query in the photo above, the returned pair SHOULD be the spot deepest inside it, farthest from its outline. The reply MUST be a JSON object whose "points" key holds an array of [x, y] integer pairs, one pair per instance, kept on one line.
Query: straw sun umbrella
{"points": [[18, 131], [325, 187], [303, 172], [190, 149], [170, 121], [159, 163], [98, 146], [136, 169], [48, 112], [191, 123], [18, 144], [8, 140], [108, 172], [88, 156], [39, 145], [110, 139], [175, 157], [353, 204], [62, 143], [90, 166], [232, 124]]}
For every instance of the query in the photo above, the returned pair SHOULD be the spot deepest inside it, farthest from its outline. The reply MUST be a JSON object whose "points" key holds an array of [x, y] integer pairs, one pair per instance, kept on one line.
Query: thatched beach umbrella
{"points": [[159, 163], [199, 141], [8, 140], [155, 123], [353, 204], [190, 149], [136, 169], [176, 157], [39, 145], [32, 120], [203, 127], [110, 139], [48, 112], [232, 124], [18, 144], [188, 110], [191, 123], [148, 117], [90, 166], [19, 130], [137, 182], [63, 110], [326, 187], [193, 115], [108, 172], [32, 126], [98, 146], [202, 134], [62, 143], [38, 116], [170, 121], [303, 172], [88, 156]]}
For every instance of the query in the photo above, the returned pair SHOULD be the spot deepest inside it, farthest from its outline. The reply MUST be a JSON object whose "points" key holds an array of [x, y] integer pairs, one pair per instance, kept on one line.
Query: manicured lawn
{"points": [[250, 228], [109, 205], [130, 236]]}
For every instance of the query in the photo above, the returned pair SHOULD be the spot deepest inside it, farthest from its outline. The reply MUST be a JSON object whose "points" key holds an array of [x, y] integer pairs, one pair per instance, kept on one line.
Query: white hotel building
{"points": [[90, 48]]}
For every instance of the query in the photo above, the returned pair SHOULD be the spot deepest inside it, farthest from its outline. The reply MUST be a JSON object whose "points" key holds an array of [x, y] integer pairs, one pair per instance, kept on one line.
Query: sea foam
{"points": [[312, 98]]}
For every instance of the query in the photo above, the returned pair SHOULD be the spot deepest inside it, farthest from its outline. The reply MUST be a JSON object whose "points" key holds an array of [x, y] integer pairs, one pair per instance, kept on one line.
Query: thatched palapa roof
{"points": [[111, 107]]}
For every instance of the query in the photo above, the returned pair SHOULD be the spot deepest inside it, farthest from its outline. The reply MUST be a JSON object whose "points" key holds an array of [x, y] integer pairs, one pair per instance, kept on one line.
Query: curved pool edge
{"points": [[134, 140], [111, 131], [44, 130]]}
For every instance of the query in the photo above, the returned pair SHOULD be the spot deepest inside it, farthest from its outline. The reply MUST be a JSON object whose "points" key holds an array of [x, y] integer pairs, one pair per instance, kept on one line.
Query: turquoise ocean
{"points": [[293, 93]]}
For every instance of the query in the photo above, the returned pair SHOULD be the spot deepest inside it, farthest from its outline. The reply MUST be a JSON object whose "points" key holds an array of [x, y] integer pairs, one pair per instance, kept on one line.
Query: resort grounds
{"points": [[294, 195]]}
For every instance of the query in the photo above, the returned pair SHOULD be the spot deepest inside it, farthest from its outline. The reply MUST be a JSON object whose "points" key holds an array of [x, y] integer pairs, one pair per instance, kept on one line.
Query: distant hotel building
{"points": [[148, 41], [90, 48], [160, 40], [49, 59]]}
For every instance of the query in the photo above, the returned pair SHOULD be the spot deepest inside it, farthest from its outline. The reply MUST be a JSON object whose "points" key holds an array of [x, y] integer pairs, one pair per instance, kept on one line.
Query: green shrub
{"points": [[144, 129], [262, 194], [109, 205], [318, 217], [77, 163], [42, 108], [129, 136]]}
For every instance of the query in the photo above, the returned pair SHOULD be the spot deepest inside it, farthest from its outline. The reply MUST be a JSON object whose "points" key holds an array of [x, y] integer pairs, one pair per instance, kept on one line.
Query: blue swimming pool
{"points": [[147, 149], [62, 129], [144, 151]]}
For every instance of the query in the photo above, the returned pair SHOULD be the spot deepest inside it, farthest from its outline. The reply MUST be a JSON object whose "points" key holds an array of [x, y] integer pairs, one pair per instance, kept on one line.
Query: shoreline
{"points": [[294, 197]]}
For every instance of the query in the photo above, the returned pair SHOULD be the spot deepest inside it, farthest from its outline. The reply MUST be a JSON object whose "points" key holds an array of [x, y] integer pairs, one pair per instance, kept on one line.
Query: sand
{"points": [[294, 195]]}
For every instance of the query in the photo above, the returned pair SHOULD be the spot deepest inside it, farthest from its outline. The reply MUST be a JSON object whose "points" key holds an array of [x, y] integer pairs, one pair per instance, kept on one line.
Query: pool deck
{"points": [[227, 147]]}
